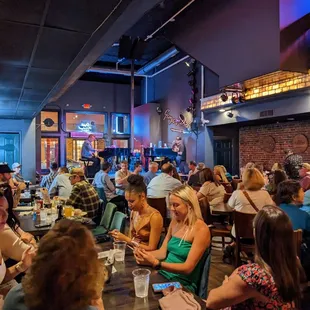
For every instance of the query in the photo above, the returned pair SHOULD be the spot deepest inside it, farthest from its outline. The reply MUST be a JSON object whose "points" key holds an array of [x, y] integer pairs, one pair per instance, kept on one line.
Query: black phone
{"points": [[159, 287], [42, 225]]}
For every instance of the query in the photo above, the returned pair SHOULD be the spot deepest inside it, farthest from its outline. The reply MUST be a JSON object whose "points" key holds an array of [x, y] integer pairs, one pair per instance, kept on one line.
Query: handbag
{"points": [[179, 299], [250, 200]]}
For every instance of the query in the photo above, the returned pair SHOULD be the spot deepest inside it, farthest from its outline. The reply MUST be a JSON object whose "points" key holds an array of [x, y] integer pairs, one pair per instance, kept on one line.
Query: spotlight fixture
{"points": [[242, 98], [187, 64], [192, 72], [191, 83], [224, 97], [195, 90], [230, 114], [192, 100], [221, 110], [159, 110], [234, 98]]}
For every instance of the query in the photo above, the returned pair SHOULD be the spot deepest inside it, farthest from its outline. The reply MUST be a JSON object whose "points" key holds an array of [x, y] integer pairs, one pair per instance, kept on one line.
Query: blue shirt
{"points": [[87, 149], [299, 218], [148, 177], [102, 180]]}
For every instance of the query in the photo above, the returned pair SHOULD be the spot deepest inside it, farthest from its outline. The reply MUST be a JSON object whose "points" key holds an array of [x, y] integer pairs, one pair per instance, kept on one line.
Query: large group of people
{"points": [[271, 280]]}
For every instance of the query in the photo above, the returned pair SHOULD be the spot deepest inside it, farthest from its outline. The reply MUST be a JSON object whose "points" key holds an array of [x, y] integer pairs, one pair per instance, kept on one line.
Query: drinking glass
{"points": [[119, 250], [141, 278], [68, 211], [43, 215]]}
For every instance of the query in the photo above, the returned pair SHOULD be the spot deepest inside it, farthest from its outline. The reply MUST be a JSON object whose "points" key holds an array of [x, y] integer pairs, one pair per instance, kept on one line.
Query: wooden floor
{"points": [[218, 269]]}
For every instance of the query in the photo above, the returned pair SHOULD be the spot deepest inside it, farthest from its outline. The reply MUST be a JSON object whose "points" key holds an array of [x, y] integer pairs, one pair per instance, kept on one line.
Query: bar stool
{"points": [[86, 162]]}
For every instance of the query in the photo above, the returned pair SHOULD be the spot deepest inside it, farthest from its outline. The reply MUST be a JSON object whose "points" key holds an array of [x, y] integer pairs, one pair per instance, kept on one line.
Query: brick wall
{"points": [[252, 138]]}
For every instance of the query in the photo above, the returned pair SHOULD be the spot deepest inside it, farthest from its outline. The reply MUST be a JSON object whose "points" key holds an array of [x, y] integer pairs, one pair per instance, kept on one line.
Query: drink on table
{"points": [[119, 250], [141, 278], [68, 211], [43, 215]]}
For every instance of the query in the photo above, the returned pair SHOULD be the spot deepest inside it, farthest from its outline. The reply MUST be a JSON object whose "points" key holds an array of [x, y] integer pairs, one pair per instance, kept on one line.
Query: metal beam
{"points": [[127, 13]]}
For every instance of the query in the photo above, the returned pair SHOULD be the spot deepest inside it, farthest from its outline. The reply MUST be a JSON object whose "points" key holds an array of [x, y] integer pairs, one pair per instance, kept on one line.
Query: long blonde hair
{"points": [[189, 197], [221, 172]]}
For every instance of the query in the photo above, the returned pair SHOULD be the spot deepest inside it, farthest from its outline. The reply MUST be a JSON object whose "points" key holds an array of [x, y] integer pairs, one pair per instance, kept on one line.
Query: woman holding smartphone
{"points": [[180, 257], [146, 223]]}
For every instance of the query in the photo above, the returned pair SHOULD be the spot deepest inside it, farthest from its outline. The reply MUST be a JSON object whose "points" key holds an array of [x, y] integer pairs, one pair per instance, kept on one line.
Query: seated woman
{"points": [[211, 188], [53, 281], [253, 183], [188, 238], [146, 223], [277, 177], [273, 281], [219, 174], [289, 198], [7, 275]]}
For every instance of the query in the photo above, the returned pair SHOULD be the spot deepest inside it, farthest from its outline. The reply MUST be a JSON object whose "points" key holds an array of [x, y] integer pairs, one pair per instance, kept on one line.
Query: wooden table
{"points": [[221, 208], [119, 293], [27, 225]]}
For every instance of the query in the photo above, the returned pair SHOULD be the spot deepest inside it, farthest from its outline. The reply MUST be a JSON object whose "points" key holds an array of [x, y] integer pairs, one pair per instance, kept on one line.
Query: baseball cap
{"points": [[16, 165], [77, 171], [4, 168]]}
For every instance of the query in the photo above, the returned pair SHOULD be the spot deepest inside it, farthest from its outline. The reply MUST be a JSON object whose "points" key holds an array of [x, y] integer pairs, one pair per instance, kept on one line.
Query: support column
{"points": [[209, 147], [132, 104]]}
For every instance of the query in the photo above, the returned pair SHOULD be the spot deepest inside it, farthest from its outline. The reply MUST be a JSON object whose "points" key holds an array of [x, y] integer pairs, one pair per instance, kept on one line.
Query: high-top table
{"points": [[119, 293]]}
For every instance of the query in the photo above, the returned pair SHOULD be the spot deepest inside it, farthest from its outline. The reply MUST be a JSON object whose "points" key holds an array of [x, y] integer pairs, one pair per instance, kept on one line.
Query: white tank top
{"points": [[2, 270]]}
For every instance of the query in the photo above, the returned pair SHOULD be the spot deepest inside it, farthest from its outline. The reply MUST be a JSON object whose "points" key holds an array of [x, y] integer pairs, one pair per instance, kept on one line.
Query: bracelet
{"points": [[19, 267]]}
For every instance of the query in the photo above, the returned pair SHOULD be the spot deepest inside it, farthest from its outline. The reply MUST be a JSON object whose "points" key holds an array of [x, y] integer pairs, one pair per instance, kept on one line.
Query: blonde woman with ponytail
{"points": [[188, 237]]}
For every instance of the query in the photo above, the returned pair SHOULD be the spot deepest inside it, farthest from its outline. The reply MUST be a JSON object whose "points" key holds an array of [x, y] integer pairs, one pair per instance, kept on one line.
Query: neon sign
{"points": [[85, 127]]}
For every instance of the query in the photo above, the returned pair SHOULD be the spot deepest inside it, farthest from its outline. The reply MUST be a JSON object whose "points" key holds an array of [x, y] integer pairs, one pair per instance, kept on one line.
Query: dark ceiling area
{"points": [[47, 44]]}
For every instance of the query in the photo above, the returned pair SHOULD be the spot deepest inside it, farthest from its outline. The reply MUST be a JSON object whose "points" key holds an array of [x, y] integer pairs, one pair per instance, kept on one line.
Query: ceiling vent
{"points": [[266, 113]]}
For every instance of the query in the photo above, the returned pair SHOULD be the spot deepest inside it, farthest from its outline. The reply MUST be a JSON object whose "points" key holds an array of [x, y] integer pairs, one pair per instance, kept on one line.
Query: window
{"points": [[86, 123], [49, 152], [49, 121], [120, 124], [74, 148]]}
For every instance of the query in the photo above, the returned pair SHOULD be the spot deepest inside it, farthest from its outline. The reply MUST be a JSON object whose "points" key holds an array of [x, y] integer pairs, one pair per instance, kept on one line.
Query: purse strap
{"points": [[250, 201]]}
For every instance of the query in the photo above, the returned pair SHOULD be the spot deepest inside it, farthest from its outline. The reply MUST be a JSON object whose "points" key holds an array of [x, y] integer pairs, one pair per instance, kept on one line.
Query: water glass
{"points": [[141, 278], [119, 250], [43, 215]]}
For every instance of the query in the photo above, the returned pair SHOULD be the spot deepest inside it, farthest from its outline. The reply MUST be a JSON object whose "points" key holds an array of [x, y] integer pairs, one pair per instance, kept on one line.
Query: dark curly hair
{"points": [[136, 184], [66, 273], [286, 191]]}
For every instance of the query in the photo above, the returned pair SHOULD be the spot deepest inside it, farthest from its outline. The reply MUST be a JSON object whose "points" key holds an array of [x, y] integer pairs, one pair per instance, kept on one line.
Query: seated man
{"points": [[192, 168], [83, 195], [163, 184], [88, 152], [48, 179], [151, 174], [138, 168], [102, 180], [121, 178], [61, 185], [17, 177]]}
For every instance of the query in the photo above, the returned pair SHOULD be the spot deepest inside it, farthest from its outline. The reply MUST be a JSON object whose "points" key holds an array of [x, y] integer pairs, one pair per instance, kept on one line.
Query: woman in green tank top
{"points": [[188, 238]]}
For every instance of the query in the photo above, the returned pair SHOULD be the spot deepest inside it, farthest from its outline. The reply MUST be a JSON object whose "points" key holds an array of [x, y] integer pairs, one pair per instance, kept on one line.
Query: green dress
{"points": [[178, 250]]}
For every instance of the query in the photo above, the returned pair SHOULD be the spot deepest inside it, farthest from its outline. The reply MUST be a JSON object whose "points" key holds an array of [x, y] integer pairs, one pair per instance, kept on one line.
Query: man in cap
{"points": [[83, 195], [304, 173], [5, 173], [17, 177]]}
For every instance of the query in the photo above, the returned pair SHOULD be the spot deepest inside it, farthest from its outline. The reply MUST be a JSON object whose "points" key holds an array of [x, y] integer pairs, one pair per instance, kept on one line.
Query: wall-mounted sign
{"points": [[300, 143], [268, 144], [86, 126], [185, 119]]}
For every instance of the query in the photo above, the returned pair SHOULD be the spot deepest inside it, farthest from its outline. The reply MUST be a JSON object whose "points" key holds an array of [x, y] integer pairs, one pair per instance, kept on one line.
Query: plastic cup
{"points": [[68, 211], [119, 250], [43, 215], [141, 279]]}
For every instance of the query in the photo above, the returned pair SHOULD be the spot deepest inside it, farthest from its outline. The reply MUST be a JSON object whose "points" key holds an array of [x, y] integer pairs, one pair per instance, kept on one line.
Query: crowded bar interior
{"points": [[154, 154]]}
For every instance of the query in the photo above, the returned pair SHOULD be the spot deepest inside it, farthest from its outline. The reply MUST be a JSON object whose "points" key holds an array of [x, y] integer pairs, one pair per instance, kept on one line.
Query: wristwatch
{"points": [[158, 265]]}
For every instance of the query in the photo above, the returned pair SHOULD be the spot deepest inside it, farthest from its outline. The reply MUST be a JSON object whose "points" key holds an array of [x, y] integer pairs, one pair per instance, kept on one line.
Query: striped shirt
{"points": [[48, 179]]}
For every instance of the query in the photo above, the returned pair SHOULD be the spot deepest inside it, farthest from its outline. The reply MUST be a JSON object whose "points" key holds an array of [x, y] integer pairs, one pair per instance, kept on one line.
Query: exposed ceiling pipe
{"points": [[158, 60], [169, 20], [112, 71]]}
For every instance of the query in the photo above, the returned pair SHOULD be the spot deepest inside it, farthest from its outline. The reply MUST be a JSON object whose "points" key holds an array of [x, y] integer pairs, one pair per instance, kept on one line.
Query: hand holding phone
{"points": [[159, 287]]}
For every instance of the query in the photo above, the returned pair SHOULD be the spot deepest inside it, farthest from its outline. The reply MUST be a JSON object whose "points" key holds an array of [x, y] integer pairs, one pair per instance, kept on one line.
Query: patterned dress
{"points": [[259, 279]]}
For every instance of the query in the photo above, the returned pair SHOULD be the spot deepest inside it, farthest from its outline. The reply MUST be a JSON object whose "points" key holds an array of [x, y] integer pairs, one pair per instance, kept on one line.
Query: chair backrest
{"points": [[234, 183], [98, 216], [108, 214], [118, 221], [226, 197], [204, 279], [101, 194], [244, 225], [160, 205], [228, 187], [205, 209], [298, 240]]}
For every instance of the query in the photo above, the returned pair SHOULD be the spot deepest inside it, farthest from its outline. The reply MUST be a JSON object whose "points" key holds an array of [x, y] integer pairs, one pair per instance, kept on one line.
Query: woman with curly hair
{"points": [[65, 274]]}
